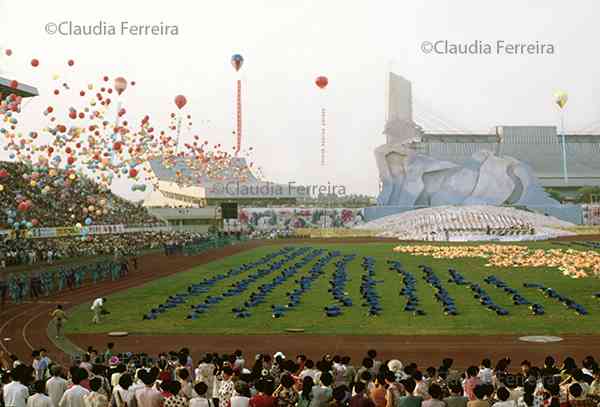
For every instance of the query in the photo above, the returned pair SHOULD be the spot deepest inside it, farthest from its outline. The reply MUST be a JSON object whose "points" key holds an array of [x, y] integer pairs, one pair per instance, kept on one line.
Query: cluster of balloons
{"points": [[95, 138]]}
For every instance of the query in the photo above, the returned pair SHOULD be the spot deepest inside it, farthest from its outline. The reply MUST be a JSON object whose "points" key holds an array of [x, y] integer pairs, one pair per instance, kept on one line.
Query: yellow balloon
{"points": [[1, 188], [72, 177], [33, 183], [55, 76], [561, 98]]}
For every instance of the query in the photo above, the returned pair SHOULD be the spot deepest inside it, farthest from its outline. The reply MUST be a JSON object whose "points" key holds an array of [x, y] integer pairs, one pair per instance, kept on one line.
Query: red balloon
{"points": [[133, 173], [35, 62], [180, 101], [70, 62], [321, 82], [70, 160], [8, 52], [73, 114], [3, 173]]}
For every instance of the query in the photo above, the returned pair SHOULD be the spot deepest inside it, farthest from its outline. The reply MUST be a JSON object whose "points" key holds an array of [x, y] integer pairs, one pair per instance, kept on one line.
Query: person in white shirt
{"points": [[122, 393], [39, 399], [201, 400], [15, 393], [486, 374], [73, 397], [97, 307], [95, 398], [56, 385], [309, 370], [504, 396]]}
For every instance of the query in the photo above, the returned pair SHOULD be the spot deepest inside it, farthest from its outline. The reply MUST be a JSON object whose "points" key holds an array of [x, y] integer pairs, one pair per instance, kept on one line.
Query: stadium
{"points": [[465, 277]]}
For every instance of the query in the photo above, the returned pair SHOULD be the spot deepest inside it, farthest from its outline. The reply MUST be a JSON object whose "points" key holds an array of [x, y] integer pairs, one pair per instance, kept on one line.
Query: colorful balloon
{"points": [[180, 101], [561, 98], [321, 82], [237, 61], [120, 84]]}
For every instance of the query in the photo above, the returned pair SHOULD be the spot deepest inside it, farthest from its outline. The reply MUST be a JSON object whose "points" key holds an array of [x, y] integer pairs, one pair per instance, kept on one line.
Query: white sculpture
{"points": [[412, 179]]}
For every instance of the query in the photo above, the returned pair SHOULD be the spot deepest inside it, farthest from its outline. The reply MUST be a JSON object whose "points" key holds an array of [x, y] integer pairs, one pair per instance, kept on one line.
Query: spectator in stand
{"points": [[456, 397], [241, 397], [264, 396], [122, 396], [202, 399], [39, 399], [322, 393], [306, 393], [359, 399], [378, 392], [372, 354], [95, 398], [435, 392], [421, 388], [480, 392], [56, 385], [577, 397], [393, 391], [15, 393], [226, 388], [471, 382], [285, 394], [486, 374], [176, 400], [309, 370], [148, 396], [74, 396], [409, 399], [549, 368], [503, 396]]}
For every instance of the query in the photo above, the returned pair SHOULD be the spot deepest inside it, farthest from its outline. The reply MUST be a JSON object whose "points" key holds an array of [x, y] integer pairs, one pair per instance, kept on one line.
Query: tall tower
{"points": [[399, 126]]}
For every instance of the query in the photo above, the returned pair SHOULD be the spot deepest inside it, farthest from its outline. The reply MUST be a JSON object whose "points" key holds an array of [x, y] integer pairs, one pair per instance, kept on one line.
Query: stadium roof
{"points": [[538, 146]]}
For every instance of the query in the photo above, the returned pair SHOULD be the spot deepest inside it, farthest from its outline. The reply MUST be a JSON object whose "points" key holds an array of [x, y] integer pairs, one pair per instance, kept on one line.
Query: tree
{"points": [[554, 194], [588, 194]]}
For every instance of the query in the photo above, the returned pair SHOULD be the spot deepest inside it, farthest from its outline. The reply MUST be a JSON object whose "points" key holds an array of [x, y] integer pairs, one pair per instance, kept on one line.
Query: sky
{"points": [[287, 44]]}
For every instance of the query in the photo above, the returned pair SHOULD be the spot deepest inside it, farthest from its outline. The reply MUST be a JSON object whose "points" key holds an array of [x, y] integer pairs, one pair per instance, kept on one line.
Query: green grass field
{"points": [[128, 307]]}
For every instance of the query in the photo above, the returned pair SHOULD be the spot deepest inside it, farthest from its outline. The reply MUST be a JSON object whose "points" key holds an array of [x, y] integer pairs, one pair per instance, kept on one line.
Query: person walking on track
{"points": [[59, 317]]}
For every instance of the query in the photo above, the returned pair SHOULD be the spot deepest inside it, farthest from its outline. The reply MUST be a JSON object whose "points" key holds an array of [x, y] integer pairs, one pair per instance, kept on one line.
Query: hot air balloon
{"points": [[180, 101], [120, 84], [321, 82], [237, 61]]}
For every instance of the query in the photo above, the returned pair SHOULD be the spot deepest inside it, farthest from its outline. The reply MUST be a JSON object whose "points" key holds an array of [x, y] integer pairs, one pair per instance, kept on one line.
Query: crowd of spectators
{"points": [[58, 200], [33, 251], [174, 379]]}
